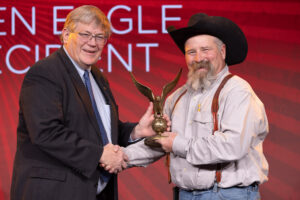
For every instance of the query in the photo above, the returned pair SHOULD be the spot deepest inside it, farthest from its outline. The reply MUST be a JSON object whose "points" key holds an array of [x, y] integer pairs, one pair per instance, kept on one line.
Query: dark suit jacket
{"points": [[58, 139]]}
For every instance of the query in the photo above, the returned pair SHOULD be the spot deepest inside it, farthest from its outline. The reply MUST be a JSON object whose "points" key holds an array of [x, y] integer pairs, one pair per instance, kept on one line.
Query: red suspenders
{"points": [[214, 111]]}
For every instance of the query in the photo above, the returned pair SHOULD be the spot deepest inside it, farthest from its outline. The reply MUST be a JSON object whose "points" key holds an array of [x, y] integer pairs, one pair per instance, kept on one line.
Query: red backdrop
{"points": [[29, 31]]}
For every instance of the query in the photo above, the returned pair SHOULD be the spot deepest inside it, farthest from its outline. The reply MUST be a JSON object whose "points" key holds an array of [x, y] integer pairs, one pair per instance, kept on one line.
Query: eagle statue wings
{"points": [[158, 101]]}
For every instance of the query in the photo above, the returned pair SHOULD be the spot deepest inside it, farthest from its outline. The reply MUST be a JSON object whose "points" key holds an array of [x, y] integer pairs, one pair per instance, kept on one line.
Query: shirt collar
{"points": [[79, 69], [219, 77]]}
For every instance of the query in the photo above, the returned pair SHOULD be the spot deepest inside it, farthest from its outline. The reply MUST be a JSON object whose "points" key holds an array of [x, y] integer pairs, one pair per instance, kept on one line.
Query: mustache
{"points": [[202, 64]]}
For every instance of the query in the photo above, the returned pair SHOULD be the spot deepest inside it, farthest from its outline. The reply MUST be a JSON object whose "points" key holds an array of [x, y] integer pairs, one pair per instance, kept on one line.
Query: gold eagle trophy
{"points": [[159, 124]]}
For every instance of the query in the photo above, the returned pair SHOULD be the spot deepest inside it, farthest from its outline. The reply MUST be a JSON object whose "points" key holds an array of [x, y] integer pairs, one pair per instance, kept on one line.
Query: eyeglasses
{"points": [[100, 39]]}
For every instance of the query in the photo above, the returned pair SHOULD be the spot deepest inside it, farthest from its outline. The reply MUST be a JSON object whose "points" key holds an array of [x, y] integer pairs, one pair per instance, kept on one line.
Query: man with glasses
{"points": [[68, 120]]}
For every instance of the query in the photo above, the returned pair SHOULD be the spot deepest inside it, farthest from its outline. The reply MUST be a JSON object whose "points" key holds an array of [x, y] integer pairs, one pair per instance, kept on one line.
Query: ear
{"points": [[223, 51], [65, 35]]}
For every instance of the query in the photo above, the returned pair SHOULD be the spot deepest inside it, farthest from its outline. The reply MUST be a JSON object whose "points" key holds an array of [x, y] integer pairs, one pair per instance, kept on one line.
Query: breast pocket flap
{"points": [[203, 117]]}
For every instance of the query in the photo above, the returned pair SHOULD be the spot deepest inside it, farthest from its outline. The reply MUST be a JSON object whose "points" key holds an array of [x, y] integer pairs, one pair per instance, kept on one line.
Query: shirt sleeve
{"points": [[141, 155]]}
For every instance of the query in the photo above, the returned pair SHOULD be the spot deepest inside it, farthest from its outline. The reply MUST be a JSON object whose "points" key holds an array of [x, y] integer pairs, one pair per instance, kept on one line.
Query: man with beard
{"points": [[218, 122]]}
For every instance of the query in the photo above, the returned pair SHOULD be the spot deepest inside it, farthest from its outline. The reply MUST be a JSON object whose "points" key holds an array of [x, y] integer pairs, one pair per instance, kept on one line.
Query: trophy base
{"points": [[151, 141]]}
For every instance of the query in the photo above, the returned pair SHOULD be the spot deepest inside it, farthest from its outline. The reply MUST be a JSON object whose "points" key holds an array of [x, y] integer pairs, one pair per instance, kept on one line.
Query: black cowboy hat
{"points": [[220, 27]]}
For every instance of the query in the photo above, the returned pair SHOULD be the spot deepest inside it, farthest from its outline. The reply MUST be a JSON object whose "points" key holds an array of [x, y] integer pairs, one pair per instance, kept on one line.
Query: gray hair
{"points": [[87, 14], [219, 43]]}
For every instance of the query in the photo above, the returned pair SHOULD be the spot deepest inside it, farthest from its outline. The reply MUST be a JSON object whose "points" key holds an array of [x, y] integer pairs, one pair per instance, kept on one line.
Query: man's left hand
{"points": [[167, 141]]}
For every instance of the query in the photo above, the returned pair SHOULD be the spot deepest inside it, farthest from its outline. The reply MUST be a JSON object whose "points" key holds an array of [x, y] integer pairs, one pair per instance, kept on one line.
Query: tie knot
{"points": [[86, 74]]}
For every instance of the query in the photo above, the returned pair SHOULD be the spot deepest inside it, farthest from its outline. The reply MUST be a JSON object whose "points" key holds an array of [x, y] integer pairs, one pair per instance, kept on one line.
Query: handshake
{"points": [[113, 159]]}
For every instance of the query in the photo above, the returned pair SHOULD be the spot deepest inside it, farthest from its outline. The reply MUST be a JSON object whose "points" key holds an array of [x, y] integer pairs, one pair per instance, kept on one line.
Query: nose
{"points": [[199, 57], [92, 41]]}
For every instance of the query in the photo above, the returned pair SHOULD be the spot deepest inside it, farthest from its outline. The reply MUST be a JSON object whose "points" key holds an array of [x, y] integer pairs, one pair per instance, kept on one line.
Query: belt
{"points": [[254, 184]]}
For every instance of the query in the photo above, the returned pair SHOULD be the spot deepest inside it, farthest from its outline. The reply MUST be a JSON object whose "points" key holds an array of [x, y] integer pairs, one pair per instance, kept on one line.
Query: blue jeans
{"points": [[215, 193]]}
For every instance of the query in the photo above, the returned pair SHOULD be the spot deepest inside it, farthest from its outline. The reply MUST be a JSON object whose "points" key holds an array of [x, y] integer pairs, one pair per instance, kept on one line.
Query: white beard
{"points": [[201, 80]]}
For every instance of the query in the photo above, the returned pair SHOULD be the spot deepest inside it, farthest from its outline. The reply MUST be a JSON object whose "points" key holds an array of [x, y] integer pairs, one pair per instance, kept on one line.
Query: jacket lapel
{"points": [[81, 90]]}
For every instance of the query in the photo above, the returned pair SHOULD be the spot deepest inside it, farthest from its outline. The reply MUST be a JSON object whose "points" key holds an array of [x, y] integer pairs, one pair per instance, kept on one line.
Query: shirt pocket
{"points": [[203, 123]]}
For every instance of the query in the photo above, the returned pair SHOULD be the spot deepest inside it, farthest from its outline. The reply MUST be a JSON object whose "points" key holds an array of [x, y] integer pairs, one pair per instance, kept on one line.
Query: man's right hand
{"points": [[113, 159]]}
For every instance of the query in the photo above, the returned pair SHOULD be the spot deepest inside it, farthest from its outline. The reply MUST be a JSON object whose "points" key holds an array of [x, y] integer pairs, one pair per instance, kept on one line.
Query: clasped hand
{"points": [[113, 159]]}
